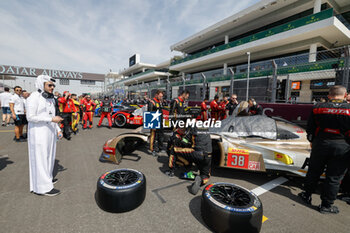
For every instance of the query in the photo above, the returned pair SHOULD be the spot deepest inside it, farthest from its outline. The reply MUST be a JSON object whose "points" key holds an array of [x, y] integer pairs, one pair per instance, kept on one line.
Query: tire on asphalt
{"points": [[120, 120], [228, 207], [121, 190]]}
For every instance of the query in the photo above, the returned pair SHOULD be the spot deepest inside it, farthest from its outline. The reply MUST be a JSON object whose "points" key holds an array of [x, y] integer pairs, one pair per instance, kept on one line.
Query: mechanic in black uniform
{"points": [[254, 108], [191, 145], [157, 135], [177, 105], [232, 104], [328, 131]]}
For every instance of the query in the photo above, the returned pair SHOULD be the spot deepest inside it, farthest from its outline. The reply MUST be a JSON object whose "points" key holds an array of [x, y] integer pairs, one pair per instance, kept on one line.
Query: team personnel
{"points": [[328, 131], [204, 110], [214, 108], [18, 113], [106, 109], [75, 114], [43, 132], [222, 108], [5, 106], [66, 106], [89, 108], [157, 135], [177, 106], [81, 102], [187, 146], [233, 103], [254, 108]]}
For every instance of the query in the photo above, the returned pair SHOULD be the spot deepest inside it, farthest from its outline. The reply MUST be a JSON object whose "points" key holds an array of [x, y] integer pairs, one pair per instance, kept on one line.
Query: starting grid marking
{"points": [[257, 191], [269, 185]]}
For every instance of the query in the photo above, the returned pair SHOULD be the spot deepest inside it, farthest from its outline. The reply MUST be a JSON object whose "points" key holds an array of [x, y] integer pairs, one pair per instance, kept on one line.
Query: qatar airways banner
{"points": [[34, 72]]}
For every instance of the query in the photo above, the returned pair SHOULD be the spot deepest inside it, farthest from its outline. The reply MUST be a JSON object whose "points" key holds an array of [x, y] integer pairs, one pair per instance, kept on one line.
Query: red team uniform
{"points": [[89, 107], [204, 113], [214, 109]]}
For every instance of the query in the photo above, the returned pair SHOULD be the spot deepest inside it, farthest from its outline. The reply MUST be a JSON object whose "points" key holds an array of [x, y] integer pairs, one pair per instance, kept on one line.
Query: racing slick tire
{"points": [[121, 190], [120, 120], [228, 207]]}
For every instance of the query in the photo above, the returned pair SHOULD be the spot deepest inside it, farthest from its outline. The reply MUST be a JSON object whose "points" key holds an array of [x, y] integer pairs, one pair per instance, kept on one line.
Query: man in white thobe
{"points": [[43, 132]]}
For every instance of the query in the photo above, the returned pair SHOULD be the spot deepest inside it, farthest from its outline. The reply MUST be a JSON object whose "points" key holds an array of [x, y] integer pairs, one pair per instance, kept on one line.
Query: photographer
{"points": [[66, 106], [43, 131]]}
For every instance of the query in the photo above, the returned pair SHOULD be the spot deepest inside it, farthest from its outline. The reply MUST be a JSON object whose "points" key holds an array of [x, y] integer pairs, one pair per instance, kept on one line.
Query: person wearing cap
{"points": [[66, 106], [43, 132]]}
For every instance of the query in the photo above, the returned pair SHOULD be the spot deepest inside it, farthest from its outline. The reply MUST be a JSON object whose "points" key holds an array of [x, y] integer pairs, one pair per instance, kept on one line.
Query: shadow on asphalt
{"points": [[4, 162], [58, 168], [195, 208]]}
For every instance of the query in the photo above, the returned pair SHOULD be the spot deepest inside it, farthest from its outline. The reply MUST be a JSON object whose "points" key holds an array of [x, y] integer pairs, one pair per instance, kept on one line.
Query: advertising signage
{"points": [[322, 83], [134, 60], [34, 72]]}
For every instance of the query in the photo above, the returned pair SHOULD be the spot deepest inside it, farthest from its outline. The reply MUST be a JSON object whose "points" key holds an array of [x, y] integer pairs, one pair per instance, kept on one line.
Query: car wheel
{"points": [[121, 190], [120, 120], [228, 207]]}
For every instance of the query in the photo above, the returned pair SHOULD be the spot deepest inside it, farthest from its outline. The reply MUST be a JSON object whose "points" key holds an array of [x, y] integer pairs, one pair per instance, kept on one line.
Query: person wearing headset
{"points": [[43, 132], [254, 108]]}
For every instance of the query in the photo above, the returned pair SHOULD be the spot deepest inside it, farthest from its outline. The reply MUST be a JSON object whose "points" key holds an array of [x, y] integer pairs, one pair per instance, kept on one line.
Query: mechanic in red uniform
{"points": [[222, 108], [66, 106], [204, 110], [81, 101], [157, 135], [89, 108], [214, 108], [328, 131], [106, 109]]}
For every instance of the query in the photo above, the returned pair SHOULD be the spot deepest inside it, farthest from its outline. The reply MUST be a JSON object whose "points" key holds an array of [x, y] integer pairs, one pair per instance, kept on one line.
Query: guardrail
{"points": [[260, 35], [314, 66]]}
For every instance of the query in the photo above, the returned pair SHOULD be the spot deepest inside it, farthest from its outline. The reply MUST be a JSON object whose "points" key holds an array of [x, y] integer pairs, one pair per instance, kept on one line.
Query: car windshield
{"points": [[247, 126], [139, 111]]}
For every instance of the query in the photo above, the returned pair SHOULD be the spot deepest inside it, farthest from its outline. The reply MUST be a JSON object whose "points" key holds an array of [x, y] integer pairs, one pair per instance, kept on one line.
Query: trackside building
{"points": [[281, 49]]}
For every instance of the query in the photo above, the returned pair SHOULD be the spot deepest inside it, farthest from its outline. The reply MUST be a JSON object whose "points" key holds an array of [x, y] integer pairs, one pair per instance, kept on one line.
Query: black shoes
{"points": [[20, 140], [54, 181], [53, 192], [328, 209], [306, 197], [196, 185], [169, 173]]}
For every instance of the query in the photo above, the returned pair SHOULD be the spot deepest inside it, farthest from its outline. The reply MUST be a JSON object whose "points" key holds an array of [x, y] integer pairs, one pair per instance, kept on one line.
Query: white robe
{"points": [[42, 138]]}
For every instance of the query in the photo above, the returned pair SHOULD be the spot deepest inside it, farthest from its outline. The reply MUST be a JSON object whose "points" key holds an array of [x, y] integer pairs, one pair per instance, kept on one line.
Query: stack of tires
{"points": [[121, 190], [228, 207]]}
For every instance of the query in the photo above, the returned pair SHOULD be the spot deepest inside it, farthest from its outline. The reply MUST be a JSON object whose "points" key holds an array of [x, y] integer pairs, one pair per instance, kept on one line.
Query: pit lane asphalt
{"points": [[168, 206]]}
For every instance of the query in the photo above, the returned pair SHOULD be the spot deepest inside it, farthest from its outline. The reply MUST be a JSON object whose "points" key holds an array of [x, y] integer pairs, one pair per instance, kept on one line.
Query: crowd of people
{"points": [[73, 109], [52, 116]]}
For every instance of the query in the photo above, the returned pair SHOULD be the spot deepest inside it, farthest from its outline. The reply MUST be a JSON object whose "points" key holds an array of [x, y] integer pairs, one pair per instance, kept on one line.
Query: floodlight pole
{"points": [[232, 84], [274, 82], [204, 86], [248, 72]]}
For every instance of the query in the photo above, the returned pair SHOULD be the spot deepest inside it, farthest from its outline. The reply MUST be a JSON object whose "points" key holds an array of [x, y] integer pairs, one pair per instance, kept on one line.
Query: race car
{"points": [[254, 143], [130, 116]]}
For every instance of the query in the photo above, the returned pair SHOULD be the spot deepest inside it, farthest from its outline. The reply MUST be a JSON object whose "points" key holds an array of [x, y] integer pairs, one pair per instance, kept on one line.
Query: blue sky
{"points": [[96, 36]]}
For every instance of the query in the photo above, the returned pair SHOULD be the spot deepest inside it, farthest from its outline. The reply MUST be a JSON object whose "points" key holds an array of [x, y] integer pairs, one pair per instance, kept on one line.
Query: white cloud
{"points": [[94, 36]]}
